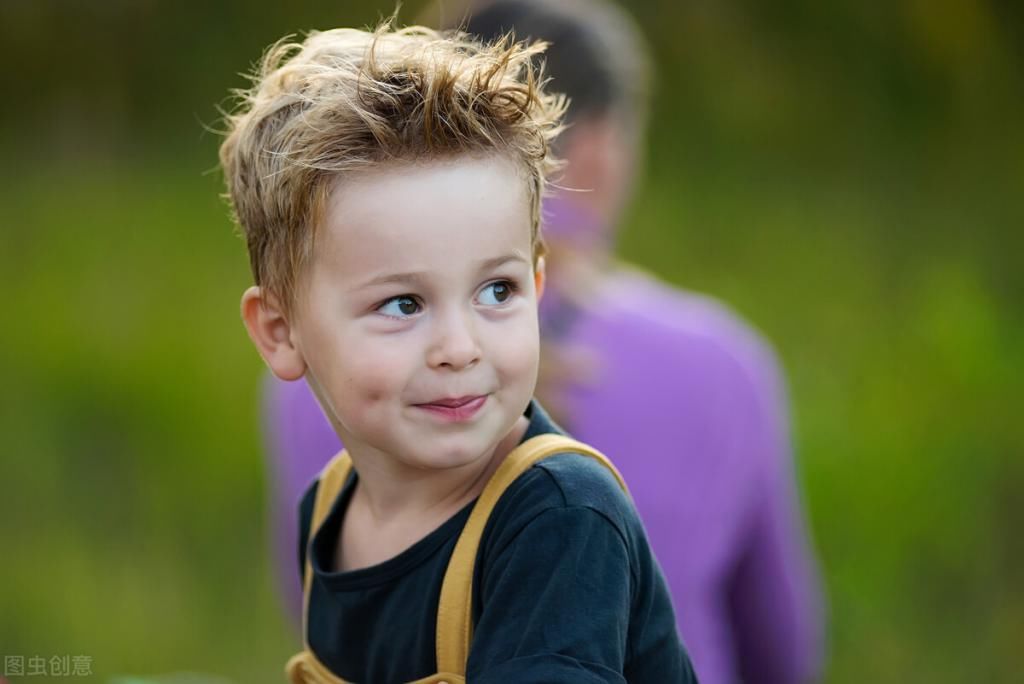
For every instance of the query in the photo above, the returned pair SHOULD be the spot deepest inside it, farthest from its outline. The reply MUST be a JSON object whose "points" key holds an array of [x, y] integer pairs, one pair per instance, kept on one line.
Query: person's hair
{"points": [[597, 55], [347, 100]]}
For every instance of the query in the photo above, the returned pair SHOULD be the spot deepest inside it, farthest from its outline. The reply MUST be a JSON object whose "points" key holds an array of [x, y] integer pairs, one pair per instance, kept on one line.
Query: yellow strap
{"points": [[332, 479], [454, 610]]}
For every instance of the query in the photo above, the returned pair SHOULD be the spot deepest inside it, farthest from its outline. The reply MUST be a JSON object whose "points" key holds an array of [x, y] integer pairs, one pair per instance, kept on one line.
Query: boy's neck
{"points": [[392, 510], [392, 494]]}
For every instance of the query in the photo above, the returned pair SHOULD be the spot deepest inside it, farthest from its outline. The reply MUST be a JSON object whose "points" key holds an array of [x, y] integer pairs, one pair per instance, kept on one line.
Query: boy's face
{"points": [[421, 293]]}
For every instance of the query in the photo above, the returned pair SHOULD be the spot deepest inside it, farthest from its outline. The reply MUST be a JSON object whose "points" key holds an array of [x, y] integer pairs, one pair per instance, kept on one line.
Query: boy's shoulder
{"points": [[575, 480], [566, 481], [568, 485]]}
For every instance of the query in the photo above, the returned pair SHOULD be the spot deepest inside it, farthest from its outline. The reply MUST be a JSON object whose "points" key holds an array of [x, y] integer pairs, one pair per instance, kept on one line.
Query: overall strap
{"points": [[332, 480], [454, 610]]}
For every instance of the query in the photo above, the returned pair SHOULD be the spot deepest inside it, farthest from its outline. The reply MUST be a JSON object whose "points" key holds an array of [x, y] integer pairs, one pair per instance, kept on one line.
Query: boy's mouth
{"points": [[452, 402], [456, 409]]}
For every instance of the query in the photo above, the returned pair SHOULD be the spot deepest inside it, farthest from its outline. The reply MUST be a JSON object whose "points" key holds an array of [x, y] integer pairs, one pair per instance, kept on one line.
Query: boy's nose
{"points": [[455, 344]]}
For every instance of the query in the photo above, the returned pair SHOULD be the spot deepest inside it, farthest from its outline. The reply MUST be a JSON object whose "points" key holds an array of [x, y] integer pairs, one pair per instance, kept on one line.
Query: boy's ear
{"points": [[538, 277], [271, 332]]}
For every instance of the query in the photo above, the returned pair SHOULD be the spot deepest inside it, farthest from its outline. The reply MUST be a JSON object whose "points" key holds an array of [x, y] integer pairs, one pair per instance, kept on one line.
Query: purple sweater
{"points": [[688, 402]]}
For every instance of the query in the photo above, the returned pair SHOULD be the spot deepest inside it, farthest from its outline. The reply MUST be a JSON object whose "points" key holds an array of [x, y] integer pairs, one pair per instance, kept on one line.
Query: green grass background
{"points": [[848, 177]]}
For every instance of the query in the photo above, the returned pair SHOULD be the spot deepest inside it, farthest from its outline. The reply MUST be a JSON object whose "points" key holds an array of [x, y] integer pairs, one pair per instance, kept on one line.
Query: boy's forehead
{"points": [[400, 215], [467, 178]]}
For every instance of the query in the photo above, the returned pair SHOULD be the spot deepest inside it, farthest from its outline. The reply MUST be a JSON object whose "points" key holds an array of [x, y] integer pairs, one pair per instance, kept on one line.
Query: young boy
{"points": [[388, 185]]}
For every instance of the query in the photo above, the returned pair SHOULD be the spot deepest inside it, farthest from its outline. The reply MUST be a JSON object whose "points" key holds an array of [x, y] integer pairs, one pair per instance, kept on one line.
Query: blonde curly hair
{"points": [[346, 99]]}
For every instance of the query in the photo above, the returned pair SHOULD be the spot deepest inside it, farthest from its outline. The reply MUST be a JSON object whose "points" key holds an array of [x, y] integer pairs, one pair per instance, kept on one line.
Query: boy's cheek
{"points": [[520, 356], [368, 379]]}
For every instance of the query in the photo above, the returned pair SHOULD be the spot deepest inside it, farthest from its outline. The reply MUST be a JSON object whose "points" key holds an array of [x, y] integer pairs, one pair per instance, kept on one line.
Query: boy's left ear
{"points": [[538, 277]]}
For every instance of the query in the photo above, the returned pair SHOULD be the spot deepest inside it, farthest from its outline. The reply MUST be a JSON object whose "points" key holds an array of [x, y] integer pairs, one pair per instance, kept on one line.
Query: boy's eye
{"points": [[497, 293], [400, 306]]}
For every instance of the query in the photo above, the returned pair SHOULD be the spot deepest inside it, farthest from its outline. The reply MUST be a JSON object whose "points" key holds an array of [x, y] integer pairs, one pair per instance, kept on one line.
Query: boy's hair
{"points": [[346, 100]]}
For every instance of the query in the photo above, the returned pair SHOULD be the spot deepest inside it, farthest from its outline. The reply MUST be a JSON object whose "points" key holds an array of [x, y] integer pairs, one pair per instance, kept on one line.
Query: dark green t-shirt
{"points": [[565, 588]]}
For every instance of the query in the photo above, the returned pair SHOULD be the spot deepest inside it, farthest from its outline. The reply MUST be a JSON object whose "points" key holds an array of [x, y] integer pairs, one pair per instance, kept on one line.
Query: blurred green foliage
{"points": [[848, 175]]}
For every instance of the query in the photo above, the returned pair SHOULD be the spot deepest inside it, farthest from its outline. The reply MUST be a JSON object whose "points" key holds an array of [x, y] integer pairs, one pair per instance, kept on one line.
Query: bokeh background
{"points": [[848, 175]]}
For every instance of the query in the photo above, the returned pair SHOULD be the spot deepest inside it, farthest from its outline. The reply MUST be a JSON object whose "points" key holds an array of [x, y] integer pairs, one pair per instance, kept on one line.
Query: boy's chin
{"points": [[457, 452]]}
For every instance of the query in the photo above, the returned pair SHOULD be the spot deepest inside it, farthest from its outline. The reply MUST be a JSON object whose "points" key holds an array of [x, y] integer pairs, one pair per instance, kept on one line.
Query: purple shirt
{"points": [[688, 401]]}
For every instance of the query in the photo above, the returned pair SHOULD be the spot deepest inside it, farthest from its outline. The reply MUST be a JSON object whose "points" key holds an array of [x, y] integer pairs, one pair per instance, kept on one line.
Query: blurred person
{"points": [[687, 396]]}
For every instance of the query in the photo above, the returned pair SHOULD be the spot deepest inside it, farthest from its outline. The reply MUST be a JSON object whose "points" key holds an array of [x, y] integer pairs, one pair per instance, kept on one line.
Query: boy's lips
{"points": [[455, 409], [451, 402]]}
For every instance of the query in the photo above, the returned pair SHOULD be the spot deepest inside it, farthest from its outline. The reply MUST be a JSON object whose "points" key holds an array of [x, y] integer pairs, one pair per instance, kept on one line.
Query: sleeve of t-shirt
{"points": [[774, 595], [556, 603]]}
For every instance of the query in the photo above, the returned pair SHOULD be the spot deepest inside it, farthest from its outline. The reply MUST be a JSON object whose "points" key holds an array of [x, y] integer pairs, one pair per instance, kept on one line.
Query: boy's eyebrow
{"points": [[489, 264], [418, 277]]}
